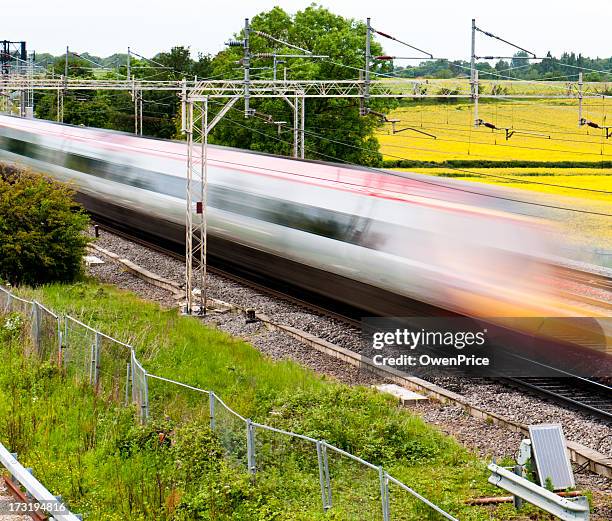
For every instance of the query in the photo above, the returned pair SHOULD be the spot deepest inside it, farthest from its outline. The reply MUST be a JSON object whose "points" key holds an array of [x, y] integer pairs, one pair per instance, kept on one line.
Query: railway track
{"points": [[580, 393], [592, 397], [311, 302]]}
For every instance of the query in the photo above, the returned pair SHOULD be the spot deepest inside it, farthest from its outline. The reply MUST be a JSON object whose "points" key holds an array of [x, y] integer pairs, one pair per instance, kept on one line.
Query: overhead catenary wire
{"points": [[385, 35], [491, 35]]}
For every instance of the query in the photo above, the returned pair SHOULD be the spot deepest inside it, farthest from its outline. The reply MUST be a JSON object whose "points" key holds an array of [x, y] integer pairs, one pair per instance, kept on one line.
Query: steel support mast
{"points": [[197, 129]]}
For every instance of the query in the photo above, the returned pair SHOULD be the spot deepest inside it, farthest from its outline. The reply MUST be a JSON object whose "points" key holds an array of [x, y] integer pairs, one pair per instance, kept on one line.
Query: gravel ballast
{"points": [[488, 440], [493, 397]]}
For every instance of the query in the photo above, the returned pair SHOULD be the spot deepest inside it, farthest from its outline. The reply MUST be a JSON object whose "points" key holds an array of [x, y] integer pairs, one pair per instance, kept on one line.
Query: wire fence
{"points": [[335, 479]]}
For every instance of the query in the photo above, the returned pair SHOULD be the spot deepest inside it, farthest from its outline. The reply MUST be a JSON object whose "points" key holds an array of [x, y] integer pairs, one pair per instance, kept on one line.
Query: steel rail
{"points": [[570, 391]]}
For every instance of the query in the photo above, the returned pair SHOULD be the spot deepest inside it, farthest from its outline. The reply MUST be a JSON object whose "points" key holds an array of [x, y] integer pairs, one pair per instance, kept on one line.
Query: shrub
{"points": [[41, 229]]}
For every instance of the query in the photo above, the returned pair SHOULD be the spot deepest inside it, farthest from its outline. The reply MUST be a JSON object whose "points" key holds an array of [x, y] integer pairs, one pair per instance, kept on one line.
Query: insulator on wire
{"points": [[384, 57], [235, 43], [384, 34], [486, 124]]}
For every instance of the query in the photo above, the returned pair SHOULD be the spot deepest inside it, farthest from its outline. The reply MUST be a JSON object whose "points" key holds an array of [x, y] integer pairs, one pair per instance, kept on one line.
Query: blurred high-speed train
{"points": [[375, 240]]}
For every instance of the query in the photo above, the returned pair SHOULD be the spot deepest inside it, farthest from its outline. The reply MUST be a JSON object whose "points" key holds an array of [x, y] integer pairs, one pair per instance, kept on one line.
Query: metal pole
{"points": [[204, 199], [188, 212], [473, 56], [60, 341], [368, 58], [476, 97], [274, 67], [246, 64], [97, 355], [66, 67], [518, 502], [250, 446], [146, 397], [302, 120], [183, 101], [140, 112], [211, 404], [383, 493], [132, 374], [295, 125], [326, 472], [580, 84], [92, 362], [128, 65], [321, 477], [61, 111], [135, 96], [127, 385]]}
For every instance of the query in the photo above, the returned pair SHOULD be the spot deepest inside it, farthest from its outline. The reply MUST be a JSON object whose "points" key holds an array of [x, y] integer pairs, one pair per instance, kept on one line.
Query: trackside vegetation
{"points": [[89, 448], [41, 229]]}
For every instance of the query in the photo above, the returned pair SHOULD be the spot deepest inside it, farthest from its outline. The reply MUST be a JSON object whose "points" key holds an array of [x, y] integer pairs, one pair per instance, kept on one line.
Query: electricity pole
{"points": [[473, 74], [246, 63], [368, 58]]}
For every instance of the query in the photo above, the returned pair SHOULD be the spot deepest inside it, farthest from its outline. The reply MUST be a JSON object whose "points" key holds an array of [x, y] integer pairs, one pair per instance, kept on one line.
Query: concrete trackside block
{"points": [[92, 259], [405, 396]]}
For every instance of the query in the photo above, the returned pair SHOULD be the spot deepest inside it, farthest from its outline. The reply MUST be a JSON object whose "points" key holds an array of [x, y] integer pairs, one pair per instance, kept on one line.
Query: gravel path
{"points": [[488, 440]]}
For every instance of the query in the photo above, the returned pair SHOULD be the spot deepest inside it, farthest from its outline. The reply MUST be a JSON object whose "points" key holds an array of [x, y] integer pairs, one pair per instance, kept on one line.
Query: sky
{"points": [[443, 27]]}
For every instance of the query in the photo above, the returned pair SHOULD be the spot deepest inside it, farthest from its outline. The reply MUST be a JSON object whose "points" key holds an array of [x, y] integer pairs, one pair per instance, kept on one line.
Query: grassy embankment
{"points": [[87, 447]]}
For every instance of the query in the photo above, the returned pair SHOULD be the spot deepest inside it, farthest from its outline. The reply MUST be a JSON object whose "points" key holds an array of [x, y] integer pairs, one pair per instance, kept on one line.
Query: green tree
{"points": [[41, 229], [334, 128]]}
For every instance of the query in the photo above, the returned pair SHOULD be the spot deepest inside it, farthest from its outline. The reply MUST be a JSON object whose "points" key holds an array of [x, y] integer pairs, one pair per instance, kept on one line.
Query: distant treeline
{"points": [[565, 68]]}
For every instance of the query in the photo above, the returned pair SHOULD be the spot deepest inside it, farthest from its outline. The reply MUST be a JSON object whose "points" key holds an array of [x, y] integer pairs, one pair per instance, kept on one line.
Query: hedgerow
{"points": [[41, 229]]}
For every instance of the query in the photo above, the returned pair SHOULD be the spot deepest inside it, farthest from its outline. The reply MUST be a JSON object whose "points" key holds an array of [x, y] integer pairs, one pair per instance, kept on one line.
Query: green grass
{"points": [[86, 447]]}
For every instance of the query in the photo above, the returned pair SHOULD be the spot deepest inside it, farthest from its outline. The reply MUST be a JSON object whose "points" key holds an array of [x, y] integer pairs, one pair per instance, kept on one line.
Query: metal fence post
{"points": [[65, 331], [326, 472], [92, 361], [145, 401], [384, 493], [60, 340], [96, 366], [132, 376], [518, 501], [127, 384], [211, 404], [323, 479], [36, 326], [250, 446]]}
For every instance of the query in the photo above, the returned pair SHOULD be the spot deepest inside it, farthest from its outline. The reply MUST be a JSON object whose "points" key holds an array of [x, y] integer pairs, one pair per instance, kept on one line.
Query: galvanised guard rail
{"points": [[47, 501], [112, 367]]}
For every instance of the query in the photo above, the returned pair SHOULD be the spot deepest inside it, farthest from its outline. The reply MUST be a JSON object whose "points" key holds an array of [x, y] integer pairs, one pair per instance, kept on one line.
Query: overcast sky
{"points": [[440, 26]]}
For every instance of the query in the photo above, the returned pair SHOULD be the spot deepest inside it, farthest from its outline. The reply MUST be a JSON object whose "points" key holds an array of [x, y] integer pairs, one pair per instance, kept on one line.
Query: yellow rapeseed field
{"points": [[576, 227], [529, 130], [573, 182]]}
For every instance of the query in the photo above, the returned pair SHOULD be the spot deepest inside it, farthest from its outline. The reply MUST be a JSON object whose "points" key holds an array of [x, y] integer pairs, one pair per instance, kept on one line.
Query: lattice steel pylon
{"points": [[196, 128]]}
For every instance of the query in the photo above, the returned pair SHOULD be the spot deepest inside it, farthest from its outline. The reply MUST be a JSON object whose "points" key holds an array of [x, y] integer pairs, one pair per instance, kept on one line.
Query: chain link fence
{"points": [[334, 477]]}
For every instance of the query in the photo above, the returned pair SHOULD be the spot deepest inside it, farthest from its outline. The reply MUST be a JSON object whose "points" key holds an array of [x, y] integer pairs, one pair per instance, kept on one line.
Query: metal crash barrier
{"points": [[564, 508], [45, 502]]}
